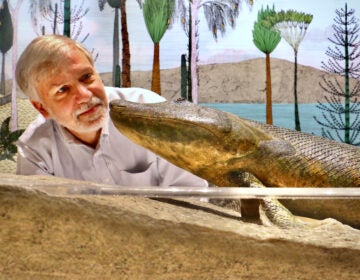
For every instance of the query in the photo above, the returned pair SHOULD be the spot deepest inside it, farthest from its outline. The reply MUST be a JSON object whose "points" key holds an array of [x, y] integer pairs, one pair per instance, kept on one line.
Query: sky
{"points": [[235, 46]]}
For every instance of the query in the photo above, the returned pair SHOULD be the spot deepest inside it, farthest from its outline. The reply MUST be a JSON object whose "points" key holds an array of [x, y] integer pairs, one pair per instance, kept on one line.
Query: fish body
{"points": [[220, 147]]}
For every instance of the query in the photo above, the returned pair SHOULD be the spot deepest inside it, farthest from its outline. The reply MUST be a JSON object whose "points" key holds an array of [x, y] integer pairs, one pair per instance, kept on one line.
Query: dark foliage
{"points": [[7, 140]]}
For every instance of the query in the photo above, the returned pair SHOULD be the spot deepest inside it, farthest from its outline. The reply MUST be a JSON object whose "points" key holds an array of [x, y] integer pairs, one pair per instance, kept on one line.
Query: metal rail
{"points": [[210, 192]]}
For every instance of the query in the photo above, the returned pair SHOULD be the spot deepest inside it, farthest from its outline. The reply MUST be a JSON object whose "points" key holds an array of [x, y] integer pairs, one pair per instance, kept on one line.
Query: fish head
{"points": [[193, 137]]}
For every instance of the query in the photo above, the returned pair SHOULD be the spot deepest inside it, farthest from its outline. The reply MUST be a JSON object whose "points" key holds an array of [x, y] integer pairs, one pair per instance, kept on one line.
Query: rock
{"points": [[47, 236]]}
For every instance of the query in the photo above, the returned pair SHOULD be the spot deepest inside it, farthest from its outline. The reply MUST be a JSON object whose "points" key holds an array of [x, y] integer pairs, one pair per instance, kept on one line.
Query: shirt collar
{"points": [[69, 138]]}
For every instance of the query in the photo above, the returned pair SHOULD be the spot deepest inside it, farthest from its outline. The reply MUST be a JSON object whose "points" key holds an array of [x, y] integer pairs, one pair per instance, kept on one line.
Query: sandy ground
{"points": [[121, 237]]}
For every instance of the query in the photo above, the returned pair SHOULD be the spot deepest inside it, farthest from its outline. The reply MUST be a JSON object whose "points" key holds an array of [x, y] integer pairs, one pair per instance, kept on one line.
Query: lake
{"points": [[283, 114]]}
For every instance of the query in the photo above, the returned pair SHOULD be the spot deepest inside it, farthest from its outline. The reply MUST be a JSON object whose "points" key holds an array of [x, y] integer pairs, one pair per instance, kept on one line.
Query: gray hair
{"points": [[40, 58]]}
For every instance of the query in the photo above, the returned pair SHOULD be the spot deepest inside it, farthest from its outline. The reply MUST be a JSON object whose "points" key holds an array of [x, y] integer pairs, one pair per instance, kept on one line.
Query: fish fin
{"points": [[272, 212]]}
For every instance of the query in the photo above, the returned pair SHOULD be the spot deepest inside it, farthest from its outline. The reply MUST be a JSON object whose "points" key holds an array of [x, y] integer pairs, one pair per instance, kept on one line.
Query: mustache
{"points": [[94, 101]]}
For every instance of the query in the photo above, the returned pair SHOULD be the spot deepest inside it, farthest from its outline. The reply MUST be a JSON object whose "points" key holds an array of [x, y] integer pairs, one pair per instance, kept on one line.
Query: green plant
{"points": [[118, 76], [184, 74], [292, 26], [7, 139], [266, 40], [157, 16], [341, 111]]}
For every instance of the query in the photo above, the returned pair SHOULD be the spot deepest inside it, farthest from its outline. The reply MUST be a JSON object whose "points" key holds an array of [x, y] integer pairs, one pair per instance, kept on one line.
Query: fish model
{"points": [[220, 147]]}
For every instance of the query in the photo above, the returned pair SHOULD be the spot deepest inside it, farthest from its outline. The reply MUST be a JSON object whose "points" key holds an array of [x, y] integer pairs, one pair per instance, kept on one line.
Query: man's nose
{"points": [[83, 94]]}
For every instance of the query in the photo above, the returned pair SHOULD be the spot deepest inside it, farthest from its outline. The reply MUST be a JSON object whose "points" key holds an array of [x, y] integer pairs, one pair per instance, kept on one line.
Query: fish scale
{"points": [[230, 145]]}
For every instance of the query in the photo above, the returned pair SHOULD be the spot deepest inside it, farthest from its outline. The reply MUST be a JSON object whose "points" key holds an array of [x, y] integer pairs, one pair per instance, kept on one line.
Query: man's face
{"points": [[73, 95]]}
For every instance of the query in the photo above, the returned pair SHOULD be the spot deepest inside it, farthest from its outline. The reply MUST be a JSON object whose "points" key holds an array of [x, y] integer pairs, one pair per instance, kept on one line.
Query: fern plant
{"points": [[8, 138], [292, 26], [341, 111]]}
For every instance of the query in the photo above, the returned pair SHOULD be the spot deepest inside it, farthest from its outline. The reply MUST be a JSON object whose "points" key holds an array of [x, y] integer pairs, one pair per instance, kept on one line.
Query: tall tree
{"points": [[6, 40], [39, 9], [157, 16], [14, 9], [266, 40], [126, 69], [292, 26], [66, 15], [186, 20], [344, 61], [218, 14]]}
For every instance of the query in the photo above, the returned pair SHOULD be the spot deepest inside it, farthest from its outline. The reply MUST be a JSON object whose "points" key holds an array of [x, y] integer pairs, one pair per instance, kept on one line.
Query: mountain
{"points": [[242, 82]]}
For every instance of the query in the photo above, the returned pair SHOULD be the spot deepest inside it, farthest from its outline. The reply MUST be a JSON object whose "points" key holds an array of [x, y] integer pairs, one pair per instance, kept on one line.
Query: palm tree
{"points": [[218, 14], [125, 75], [157, 15], [266, 40], [292, 26]]}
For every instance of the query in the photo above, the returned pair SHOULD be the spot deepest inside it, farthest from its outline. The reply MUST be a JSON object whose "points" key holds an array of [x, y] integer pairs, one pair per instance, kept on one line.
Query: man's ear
{"points": [[40, 107]]}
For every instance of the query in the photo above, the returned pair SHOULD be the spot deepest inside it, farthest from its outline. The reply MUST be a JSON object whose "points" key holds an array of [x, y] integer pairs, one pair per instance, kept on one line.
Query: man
{"points": [[73, 136]]}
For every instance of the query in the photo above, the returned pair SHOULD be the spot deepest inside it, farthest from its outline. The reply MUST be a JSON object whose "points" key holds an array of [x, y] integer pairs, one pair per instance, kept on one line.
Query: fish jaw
{"points": [[195, 138]]}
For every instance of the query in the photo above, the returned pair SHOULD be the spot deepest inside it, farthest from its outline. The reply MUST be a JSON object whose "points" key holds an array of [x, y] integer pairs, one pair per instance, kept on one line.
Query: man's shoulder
{"points": [[39, 128], [133, 94]]}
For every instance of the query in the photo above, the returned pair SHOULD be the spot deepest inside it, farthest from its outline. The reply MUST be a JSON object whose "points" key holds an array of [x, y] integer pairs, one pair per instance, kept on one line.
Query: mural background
{"points": [[235, 46], [232, 68]]}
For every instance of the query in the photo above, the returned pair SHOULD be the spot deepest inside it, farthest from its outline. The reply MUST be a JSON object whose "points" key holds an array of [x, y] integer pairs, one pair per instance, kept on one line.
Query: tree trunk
{"points": [[55, 19], [184, 77], [2, 83], [67, 18], [297, 117], [155, 82], [126, 70], [193, 66], [347, 86], [189, 95], [269, 118], [116, 47]]}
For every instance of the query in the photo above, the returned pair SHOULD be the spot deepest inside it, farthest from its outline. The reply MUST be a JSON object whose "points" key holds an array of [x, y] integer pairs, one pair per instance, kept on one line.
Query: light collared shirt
{"points": [[46, 148]]}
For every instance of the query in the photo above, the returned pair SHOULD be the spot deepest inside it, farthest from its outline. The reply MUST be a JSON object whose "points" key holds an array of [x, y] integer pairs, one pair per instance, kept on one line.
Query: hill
{"points": [[242, 82]]}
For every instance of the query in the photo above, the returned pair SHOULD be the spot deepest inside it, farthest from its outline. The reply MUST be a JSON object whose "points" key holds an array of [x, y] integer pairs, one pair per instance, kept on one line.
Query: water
{"points": [[283, 114]]}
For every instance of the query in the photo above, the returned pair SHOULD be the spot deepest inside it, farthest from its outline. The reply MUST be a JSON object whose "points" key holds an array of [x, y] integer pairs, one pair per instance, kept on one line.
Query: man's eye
{"points": [[62, 90], [86, 77]]}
